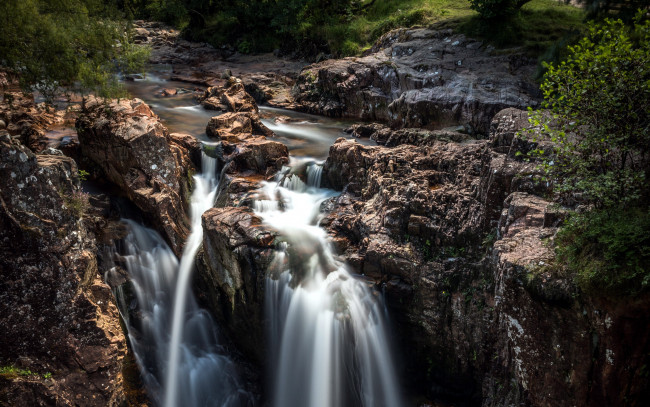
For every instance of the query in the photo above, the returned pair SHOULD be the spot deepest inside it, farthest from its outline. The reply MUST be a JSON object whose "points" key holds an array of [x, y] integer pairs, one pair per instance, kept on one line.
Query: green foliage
{"points": [[538, 25], [83, 175], [491, 9], [599, 99], [608, 250], [11, 372], [595, 151], [73, 44], [345, 27]]}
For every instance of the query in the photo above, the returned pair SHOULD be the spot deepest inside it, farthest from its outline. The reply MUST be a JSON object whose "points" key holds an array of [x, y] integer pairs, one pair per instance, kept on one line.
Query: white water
{"points": [[327, 330], [187, 366]]}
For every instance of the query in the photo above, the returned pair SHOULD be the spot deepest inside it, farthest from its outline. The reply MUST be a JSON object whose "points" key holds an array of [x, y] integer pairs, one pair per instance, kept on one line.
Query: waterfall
{"points": [[187, 366], [327, 331], [314, 175]]}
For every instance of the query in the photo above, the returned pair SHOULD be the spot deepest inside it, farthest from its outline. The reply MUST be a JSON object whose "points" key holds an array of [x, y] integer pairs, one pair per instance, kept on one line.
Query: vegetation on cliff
{"points": [[77, 45], [600, 129]]}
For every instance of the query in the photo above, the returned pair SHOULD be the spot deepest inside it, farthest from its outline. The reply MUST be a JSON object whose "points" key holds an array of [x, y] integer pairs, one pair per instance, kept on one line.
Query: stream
{"points": [[327, 331]]}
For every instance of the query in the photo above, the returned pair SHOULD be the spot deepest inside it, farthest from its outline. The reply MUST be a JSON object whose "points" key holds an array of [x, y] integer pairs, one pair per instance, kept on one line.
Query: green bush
{"points": [[68, 44], [491, 9], [596, 154], [608, 250], [599, 125]]}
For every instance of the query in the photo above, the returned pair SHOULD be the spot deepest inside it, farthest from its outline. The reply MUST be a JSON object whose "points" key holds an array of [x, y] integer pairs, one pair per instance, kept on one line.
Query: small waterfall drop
{"points": [[180, 359], [327, 331]]}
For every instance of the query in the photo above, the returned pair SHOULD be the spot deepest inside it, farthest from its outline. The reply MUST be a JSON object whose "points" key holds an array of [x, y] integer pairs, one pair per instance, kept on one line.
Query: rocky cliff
{"points": [[61, 343]]}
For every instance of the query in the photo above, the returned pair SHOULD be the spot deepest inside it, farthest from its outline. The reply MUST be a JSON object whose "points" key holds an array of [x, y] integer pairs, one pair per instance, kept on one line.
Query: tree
{"points": [[491, 9], [597, 118], [66, 44], [599, 98]]}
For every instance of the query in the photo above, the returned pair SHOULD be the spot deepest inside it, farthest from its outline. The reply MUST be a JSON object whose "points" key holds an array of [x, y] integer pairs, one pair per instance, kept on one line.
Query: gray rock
{"points": [[420, 77]]}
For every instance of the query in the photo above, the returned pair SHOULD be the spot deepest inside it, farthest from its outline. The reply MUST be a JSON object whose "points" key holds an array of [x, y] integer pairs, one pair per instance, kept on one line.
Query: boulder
{"points": [[134, 151], [420, 77], [61, 327], [229, 126], [237, 251], [23, 117], [232, 98]]}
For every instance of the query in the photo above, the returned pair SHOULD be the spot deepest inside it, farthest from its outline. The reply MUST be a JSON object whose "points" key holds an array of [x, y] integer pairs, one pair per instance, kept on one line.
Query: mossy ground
{"points": [[538, 25]]}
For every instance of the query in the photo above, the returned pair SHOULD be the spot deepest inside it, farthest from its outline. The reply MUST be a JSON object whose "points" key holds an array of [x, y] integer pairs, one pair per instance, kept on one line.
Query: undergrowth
{"points": [[608, 251]]}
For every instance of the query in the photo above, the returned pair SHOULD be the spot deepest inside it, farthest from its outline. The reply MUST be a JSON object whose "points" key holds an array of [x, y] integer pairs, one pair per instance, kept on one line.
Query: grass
{"points": [[539, 24], [11, 372]]}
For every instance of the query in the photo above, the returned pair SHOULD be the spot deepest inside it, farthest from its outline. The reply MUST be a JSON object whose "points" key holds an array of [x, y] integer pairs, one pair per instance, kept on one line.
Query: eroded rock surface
{"points": [[461, 239], [22, 117], [134, 151], [420, 78], [60, 327], [237, 251]]}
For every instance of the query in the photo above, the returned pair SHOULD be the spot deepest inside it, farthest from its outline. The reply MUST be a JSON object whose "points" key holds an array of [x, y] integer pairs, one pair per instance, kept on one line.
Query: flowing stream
{"points": [[327, 327], [327, 330], [181, 360]]}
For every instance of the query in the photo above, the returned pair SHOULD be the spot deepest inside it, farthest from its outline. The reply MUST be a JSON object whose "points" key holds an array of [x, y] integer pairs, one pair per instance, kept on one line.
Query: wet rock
{"points": [[24, 118], [135, 152], [57, 314], [420, 77], [230, 126], [169, 92], [460, 238], [232, 98], [271, 89], [237, 251]]}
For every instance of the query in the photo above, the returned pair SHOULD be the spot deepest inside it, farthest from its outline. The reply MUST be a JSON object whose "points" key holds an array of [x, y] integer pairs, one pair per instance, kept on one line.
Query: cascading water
{"points": [[188, 367], [328, 334]]}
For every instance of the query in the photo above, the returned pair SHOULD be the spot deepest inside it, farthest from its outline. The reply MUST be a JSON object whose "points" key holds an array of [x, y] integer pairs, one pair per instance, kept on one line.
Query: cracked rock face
{"points": [[420, 78], [126, 140], [56, 313]]}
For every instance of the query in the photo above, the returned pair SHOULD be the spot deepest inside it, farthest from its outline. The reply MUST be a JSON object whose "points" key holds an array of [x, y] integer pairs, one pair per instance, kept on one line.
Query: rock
{"points": [[271, 89], [23, 118], [418, 219], [57, 314], [3, 125], [189, 143], [229, 126], [237, 251], [245, 153], [135, 152], [420, 77], [233, 98], [169, 92]]}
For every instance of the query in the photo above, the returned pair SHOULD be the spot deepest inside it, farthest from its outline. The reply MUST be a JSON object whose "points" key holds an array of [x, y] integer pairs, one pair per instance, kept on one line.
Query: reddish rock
{"points": [[232, 98], [135, 152]]}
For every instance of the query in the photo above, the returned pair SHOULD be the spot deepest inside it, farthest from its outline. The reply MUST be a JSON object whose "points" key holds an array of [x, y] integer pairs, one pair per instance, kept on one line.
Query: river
{"points": [[327, 329]]}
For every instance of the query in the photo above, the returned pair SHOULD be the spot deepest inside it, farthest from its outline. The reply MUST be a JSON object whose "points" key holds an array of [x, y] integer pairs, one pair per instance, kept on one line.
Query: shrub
{"points": [[491, 9], [598, 123], [608, 250], [598, 98]]}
